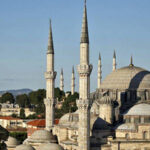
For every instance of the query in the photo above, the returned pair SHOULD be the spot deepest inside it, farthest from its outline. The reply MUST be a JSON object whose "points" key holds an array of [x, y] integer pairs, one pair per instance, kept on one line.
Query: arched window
{"points": [[127, 136], [145, 135]]}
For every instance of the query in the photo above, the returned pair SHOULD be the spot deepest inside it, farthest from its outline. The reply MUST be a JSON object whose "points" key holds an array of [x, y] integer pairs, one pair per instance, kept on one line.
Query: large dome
{"points": [[42, 136], [139, 110], [24, 147], [130, 77], [12, 142], [50, 146]]}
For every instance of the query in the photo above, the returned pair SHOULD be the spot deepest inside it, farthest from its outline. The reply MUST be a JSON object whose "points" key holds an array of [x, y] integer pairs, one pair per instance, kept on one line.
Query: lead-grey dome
{"points": [[24, 147], [139, 110], [11, 142], [130, 77], [50, 146], [42, 136]]}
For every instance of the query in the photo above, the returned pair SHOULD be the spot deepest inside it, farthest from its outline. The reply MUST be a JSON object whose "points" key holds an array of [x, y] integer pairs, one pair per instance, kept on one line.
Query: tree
{"points": [[22, 113], [23, 101], [69, 105], [59, 94], [37, 97], [7, 97]]}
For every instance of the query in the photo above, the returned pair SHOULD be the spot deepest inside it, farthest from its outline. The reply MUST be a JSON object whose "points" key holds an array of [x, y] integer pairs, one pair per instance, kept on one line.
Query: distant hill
{"points": [[17, 92]]}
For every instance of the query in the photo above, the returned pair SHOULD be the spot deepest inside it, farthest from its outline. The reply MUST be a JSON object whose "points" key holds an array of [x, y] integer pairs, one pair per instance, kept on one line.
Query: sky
{"points": [[123, 25]]}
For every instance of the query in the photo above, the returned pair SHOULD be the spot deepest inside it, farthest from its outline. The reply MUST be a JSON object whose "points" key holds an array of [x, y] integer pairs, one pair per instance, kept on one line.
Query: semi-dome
{"points": [[50, 146], [139, 110], [12, 142], [130, 77], [42, 136], [24, 147]]}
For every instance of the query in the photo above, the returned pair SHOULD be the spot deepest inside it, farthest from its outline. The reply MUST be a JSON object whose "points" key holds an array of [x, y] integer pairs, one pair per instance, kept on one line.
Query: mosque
{"points": [[114, 117]]}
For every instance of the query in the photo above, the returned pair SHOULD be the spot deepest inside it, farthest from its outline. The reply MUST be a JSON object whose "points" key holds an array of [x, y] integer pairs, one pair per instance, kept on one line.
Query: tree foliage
{"points": [[37, 97], [58, 94], [69, 105], [22, 113], [7, 97], [23, 101], [20, 136]]}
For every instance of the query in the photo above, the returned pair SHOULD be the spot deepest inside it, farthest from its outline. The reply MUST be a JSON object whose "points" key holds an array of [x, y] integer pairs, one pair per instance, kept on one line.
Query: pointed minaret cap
{"points": [[72, 69], [61, 71], [50, 40], [99, 56], [84, 32], [131, 62], [114, 56]]}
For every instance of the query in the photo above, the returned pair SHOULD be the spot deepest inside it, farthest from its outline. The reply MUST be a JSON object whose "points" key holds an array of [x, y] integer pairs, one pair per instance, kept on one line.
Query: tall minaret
{"points": [[50, 76], [84, 102], [99, 80], [72, 82], [114, 61], [62, 80]]}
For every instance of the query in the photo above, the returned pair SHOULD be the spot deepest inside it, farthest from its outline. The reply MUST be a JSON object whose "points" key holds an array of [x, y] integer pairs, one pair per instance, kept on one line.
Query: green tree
{"points": [[69, 105], [23, 100], [7, 97], [22, 113], [37, 97], [59, 94]]}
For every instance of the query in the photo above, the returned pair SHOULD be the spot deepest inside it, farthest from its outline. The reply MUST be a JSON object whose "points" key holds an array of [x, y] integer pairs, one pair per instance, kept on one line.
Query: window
{"points": [[145, 135], [127, 136]]}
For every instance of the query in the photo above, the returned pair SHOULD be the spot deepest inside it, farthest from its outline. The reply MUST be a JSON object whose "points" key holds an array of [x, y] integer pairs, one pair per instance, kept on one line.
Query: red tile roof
{"points": [[9, 118], [37, 123], [40, 122]]}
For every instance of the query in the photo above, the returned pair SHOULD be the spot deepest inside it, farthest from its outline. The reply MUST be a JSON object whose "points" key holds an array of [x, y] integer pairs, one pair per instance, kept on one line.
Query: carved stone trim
{"points": [[84, 70], [50, 75]]}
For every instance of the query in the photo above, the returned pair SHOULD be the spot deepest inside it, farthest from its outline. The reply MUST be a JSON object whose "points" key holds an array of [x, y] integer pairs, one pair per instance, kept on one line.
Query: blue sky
{"points": [[123, 25]]}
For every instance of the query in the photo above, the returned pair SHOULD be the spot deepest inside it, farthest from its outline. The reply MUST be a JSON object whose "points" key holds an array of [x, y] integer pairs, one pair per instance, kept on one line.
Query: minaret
{"points": [[50, 76], [99, 80], [72, 82], [84, 102], [61, 81], [114, 61]]}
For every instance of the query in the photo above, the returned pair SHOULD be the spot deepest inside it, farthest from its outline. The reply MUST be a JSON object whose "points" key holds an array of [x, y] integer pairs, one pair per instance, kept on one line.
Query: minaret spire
{"points": [[131, 61], [50, 76], [50, 40], [62, 80], [99, 80], [72, 82], [84, 32], [84, 102], [114, 61]]}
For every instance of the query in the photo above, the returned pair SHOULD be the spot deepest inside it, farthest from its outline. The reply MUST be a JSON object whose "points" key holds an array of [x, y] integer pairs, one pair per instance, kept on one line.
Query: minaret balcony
{"points": [[50, 75], [84, 70], [84, 103]]}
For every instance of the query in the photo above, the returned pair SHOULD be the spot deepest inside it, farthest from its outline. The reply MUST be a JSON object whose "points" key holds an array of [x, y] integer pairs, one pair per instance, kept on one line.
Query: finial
{"points": [[99, 56], [72, 69], [61, 71], [84, 2], [114, 54], [131, 61]]}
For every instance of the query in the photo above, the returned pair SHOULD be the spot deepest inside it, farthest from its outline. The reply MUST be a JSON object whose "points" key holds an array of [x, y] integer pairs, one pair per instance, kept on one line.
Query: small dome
{"points": [[139, 110], [50, 146], [70, 120], [130, 77], [24, 147], [40, 136], [12, 142]]}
